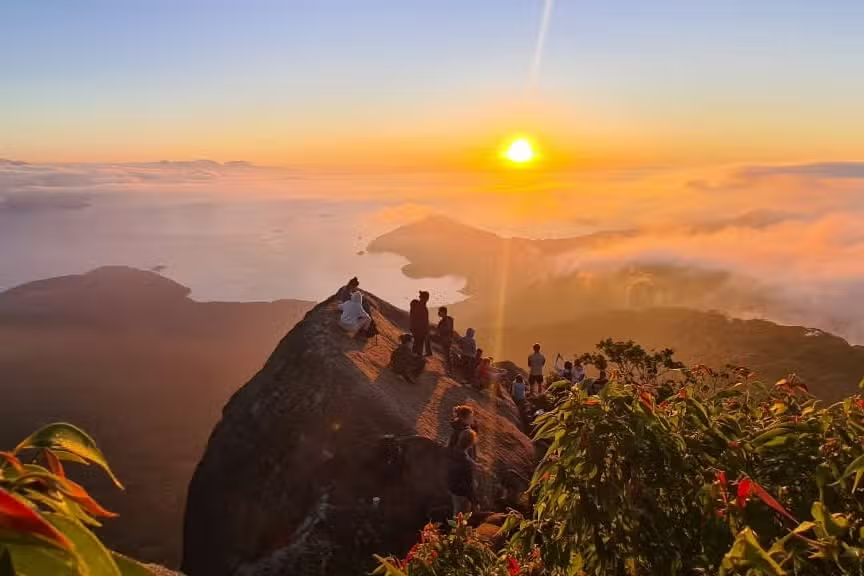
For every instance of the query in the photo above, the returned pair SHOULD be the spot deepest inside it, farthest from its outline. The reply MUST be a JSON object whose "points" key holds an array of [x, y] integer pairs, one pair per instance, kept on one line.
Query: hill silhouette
{"points": [[129, 357], [518, 296], [326, 456]]}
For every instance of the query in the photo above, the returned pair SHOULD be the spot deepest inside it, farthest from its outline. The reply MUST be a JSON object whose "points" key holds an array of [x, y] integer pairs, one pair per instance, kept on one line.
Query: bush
{"points": [[45, 518], [458, 553], [676, 471]]}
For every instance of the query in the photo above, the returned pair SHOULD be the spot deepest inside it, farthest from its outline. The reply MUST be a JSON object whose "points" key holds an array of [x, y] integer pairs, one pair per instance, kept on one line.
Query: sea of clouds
{"points": [[234, 231]]}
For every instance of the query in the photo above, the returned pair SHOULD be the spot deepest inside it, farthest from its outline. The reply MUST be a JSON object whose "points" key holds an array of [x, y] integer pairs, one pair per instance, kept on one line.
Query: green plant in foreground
{"points": [[45, 517], [677, 471]]}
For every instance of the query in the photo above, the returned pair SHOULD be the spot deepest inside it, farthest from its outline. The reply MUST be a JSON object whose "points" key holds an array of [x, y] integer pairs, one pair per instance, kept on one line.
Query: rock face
{"points": [[326, 457]]}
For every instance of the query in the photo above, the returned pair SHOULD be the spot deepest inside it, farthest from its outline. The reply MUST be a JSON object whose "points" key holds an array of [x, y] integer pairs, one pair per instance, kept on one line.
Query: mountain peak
{"points": [[326, 453]]}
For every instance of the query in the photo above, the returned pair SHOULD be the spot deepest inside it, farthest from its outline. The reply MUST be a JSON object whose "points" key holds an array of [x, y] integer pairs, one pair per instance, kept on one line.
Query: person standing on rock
{"points": [[420, 324], [460, 473], [536, 362], [463, 419]]}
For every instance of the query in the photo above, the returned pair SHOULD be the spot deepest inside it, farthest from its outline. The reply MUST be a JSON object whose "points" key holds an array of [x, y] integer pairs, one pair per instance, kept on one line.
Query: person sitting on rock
{"points": [[518, 390], [578, 372], [355, 320], [593, 387], [403, 360], [468, 345], [460, 472], [344, 293], [484, 374], [463, 419]]}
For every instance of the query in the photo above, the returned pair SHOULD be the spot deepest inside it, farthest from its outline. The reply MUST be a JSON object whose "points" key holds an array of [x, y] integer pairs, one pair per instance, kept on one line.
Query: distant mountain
{"points": [[128, 356], [522, 292]]}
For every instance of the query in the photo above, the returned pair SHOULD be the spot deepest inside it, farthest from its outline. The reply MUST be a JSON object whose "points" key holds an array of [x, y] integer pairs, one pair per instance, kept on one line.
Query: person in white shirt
{"points": [[355, 319], [536, 362]]}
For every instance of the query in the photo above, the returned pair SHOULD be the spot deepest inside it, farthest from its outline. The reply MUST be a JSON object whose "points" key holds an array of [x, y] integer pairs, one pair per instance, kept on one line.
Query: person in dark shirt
{"points": [[444, 331], [420, 324], [460, 473], [404, 362]]}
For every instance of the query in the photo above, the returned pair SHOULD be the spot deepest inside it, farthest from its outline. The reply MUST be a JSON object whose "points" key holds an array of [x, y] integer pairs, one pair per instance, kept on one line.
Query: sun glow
{"points": [[520, 151]]}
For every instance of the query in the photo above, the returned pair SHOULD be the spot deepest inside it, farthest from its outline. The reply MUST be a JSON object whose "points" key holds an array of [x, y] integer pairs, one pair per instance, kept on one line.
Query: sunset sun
{"points": [[520, 151]]}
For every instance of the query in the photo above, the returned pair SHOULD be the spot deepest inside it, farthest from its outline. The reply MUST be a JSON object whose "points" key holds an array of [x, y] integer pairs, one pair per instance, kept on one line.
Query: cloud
{"points": [[827, 170]]}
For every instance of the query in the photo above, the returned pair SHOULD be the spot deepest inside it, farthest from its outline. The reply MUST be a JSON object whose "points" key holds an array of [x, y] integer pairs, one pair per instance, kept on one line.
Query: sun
{"points": [[520, 151]]}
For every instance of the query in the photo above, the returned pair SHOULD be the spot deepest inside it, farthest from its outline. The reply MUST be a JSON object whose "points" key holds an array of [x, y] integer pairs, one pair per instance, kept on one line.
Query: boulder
{"points": [[326, 457]]}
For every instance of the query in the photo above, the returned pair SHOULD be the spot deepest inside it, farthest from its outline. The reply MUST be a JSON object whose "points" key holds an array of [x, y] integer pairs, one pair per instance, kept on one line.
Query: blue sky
{"points": [[189, 76]]}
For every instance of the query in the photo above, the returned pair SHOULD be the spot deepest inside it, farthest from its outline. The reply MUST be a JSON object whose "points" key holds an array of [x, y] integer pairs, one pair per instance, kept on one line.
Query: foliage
{"points": [[46, 518], [458, 553], [708, 479], [675, 470]]}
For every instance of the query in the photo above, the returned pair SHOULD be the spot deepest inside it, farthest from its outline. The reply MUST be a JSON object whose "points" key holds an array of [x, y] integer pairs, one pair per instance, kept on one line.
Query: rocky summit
{"points": [[326, 457]]}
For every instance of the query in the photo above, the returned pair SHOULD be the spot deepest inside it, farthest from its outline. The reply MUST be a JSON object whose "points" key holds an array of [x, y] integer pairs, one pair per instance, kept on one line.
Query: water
{"points": [[223, 248]]}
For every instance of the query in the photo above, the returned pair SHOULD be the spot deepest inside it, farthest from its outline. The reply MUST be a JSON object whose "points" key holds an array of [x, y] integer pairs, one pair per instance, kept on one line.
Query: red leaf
{"points": [[724, 486], [13, 460], [744, 488], [770, 501], [591, 401], [18, 517], [682, 393], [77, 493], [54, 463], [512, 566]]}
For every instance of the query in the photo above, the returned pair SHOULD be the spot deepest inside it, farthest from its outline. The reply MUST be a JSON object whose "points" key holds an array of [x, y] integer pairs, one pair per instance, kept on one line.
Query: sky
{"points": [[432, 83]]}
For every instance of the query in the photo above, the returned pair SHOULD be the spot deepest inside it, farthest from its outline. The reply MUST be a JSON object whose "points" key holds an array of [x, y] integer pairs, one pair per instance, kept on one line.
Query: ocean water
{"points": [[222, 247]]}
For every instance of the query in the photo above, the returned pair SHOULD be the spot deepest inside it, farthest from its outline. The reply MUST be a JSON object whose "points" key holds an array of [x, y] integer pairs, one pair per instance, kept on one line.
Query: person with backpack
{"points": [[463, 419], [536, 362], [419, 315]]}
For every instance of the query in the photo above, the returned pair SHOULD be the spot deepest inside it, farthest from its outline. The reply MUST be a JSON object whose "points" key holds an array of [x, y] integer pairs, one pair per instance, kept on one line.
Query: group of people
{"points": [[465, 358]]}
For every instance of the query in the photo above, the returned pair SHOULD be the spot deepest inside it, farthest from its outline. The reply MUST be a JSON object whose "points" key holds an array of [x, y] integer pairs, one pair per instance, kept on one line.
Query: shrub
{"points": [[674, 471], [45, 517], [458, 553]]}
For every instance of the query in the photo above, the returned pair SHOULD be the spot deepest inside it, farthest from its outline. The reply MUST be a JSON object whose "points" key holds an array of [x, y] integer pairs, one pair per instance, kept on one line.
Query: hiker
{"points": [[403, 360], [463, 419], [517, 390], [444, 331], [355, 320], [536, 362], [595, 386], [468, 344], [344, 293], [566, 373], [420, 324], [460, 472], [578, 372], [484, 373]]}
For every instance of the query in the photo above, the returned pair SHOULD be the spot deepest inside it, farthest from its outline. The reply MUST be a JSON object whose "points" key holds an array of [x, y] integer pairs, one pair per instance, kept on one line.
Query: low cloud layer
{"points": [[790, 231]]}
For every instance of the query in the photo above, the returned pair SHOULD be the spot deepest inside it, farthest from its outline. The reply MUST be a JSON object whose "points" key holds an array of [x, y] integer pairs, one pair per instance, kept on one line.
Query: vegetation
{"points": [[677, 471], [45, 517]]}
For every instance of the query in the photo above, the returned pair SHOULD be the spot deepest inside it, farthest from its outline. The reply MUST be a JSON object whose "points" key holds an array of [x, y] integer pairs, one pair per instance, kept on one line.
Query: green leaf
{"points": [[861, 384], [41, 561], [856, 467], [129, 567], [96, 559], [71, 440]]}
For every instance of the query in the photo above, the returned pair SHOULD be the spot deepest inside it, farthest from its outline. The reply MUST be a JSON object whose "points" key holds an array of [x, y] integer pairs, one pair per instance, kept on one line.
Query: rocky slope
{"points": [[326, 456]]}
